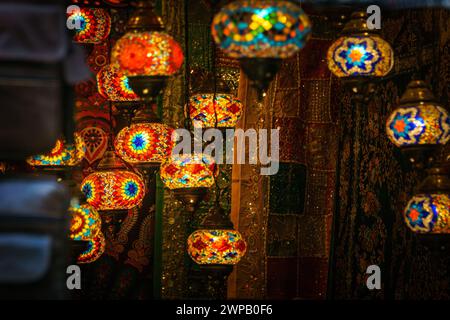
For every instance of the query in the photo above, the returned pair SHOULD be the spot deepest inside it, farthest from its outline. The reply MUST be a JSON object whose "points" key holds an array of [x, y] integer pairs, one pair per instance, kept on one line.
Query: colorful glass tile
{"points": [[96, 247], [113, 190], [225, 247], [85, 223], [188, 171], [144, 143], [428, 213], [114, 85], [360, 56], [261, 29], [203, 110], [423, 124], [147, 53], [62, 155], [95, 25]]}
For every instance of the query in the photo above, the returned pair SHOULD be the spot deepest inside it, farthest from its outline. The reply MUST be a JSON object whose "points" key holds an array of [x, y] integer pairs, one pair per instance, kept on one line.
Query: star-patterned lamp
{"points": [[419, 125], [260, 34], [95, 25], [359, 54]]}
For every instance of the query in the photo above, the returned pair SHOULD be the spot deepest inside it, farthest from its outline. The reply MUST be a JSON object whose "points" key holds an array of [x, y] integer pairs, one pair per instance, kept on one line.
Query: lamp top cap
{"points": [[144, 17], [357, 24], [111, 161], [416, 92]]}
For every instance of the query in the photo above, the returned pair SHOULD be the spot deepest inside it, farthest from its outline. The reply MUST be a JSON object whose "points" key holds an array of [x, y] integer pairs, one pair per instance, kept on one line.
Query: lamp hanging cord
{"points": [[187, 67]]}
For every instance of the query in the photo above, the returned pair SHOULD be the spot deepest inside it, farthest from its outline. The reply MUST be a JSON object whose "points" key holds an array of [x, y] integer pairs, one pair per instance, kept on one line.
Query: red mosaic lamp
{"points": [[94, 25], [147, 54]]}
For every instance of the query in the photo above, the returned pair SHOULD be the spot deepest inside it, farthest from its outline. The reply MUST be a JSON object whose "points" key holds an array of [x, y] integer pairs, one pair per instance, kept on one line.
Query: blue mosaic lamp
{"points": [[419, 125], [260, 34], [360, 53]]}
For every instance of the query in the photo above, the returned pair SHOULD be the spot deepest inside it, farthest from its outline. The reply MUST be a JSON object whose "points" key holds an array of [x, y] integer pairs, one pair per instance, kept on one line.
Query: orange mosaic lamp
{"points": [[113, 187], [146, 54], [63, 155], [94, 25], [216, 247], [114, 85], [95, 249], [85, 222]]}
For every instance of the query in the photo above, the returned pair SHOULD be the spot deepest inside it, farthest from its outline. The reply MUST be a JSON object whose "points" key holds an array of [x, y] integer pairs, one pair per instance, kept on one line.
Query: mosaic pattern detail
{"points": [[144, 143], [428, 213], [96, 248], [85, 223], [114, 85], [147, 53], [216, 247], [425, 124], [113, 190], [261, 29], [95, 25], [62, 155], [204, 109], [360, 56], [188, 171]]}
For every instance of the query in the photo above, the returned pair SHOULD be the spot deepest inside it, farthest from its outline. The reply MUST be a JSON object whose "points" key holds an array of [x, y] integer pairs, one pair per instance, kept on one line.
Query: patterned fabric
{"points": [[85, 223], [216, 247], [262, 29], [95, 25], [62, 155], [428, 213], [144, 143], [424, 124], [225, 108], [147, 53], [360, 56], [113, 190]]}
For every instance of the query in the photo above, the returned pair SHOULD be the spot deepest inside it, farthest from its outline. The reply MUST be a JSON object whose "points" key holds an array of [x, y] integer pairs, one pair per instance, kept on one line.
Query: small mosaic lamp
{"points": [[94, 25], [147, 54], [360, 53], [113, 187], [189, 176], [85, 223], [428, 211], [419, 125], [260, 34], [95, 249]]}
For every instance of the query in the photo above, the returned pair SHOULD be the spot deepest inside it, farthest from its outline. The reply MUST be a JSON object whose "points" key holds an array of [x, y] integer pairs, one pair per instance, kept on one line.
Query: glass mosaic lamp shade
{"points": [[114, 85], [359, 52], [94, 23], [63, 155], [260, 34], [95, 249], [419, 125], [85, 223], [216, 247], [113, 187], [147, 54]]}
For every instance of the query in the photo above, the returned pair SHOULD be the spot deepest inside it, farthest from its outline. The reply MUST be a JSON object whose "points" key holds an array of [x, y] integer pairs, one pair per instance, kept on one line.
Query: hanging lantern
{"points": [[96, 247], [212, 104], [113, 187], [216, 247], [114, 85], [360, 52], [260, 34], [145, 143], [146, 54], [429, 210], [419, 125], [189, 176], [63, 155], [95, 25], [85, 222]]}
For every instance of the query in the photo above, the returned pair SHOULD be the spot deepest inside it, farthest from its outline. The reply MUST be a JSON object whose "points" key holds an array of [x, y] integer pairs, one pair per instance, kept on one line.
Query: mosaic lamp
{"points": [[212, 105], [95, 249], [146, 54], [260, 34], [63, 155], [85, 223], [359, 53], [428, 211], [189, 176], [92, 25], [113, 187], [146, 142], [114, 86], [419, 125]]}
